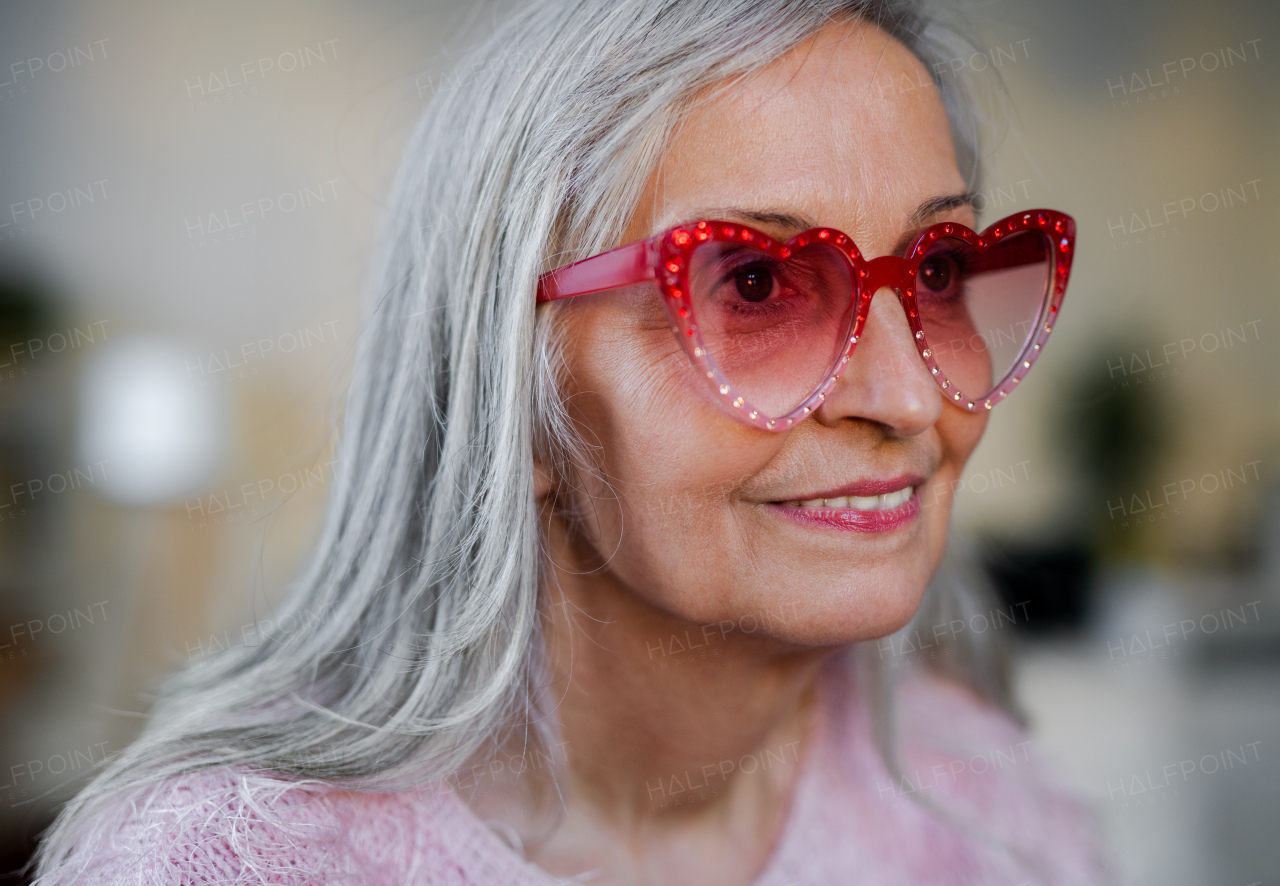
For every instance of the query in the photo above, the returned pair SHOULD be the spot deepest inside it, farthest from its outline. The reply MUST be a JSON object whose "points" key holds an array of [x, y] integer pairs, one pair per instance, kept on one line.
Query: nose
{"points": [[885, 380]]}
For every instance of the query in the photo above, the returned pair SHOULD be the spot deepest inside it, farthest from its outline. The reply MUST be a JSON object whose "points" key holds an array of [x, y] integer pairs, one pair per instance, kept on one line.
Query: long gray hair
{"points": [[418, 634]]}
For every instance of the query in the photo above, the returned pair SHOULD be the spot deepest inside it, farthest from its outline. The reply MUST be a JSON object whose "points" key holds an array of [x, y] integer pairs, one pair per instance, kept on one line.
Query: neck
{"points": [[669, 726]]}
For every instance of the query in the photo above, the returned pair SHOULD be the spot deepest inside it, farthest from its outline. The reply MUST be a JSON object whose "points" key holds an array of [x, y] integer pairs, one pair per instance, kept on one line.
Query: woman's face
{"points": [[694, 512]]}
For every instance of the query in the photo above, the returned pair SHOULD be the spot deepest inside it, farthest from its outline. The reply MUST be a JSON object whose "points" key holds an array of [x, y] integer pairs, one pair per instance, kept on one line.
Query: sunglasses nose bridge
{"points": [[886, 271], [897, 275]]}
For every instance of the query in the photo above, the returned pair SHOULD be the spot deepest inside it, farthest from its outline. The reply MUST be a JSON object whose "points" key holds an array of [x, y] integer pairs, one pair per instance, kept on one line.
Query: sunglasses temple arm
{"points": [[624, 266]]}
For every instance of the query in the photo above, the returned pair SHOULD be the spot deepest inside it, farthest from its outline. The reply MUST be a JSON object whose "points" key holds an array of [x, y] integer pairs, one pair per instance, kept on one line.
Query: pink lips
{"points": [[853, 519]]}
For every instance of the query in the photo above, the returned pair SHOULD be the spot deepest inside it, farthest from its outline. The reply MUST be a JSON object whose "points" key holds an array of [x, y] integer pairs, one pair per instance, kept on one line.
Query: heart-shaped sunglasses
{"points": [[771, 325]]}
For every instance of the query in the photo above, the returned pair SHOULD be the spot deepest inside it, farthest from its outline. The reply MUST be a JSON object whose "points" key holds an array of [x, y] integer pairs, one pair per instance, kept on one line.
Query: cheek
{"points": [[666, 461], [893, 587], [630, 396], [959, 432]]}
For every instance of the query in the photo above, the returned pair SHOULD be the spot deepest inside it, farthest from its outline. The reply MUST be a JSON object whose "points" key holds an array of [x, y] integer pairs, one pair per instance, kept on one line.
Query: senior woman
{"points": [[682, 315]]}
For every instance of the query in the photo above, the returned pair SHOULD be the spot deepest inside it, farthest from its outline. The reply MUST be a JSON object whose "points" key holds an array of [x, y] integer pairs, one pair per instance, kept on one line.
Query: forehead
{"points": [[847, 130]]}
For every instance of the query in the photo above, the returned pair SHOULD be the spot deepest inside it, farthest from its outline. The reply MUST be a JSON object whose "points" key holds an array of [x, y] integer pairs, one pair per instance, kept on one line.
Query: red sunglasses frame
{"points": [[664, 259]]}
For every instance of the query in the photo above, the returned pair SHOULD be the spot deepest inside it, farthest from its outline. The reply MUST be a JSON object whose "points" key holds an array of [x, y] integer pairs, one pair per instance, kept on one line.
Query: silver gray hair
{"points": [[417, 614]]}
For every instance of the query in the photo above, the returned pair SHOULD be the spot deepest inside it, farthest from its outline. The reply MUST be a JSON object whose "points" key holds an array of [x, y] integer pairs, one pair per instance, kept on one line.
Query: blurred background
{"points": [[188, 196]]}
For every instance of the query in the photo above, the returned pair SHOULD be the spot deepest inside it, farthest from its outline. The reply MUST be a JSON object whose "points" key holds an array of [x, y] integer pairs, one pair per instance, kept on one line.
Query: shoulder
{"points": [[226, 825], [965, 755]]}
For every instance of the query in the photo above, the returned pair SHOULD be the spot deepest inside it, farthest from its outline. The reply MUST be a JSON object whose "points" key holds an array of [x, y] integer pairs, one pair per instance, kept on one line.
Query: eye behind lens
{"points": [[754, 283], [937, 272]]}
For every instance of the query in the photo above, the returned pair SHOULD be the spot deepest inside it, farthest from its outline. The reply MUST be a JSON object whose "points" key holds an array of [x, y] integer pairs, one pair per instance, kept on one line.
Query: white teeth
{"points": [[896, 499], [886, 502]]}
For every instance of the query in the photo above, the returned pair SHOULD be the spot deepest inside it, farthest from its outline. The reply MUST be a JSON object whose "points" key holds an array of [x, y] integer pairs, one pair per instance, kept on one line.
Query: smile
{"points": [[886, 502], [867, 506]]}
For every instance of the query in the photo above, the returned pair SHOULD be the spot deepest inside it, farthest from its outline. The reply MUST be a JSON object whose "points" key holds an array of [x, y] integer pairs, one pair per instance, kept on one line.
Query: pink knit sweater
{"points": [[850, 821]]}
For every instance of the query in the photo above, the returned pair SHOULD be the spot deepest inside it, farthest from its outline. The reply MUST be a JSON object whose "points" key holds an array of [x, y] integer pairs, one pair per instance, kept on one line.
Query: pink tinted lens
{"points": [[979, 309], [773, 326]]}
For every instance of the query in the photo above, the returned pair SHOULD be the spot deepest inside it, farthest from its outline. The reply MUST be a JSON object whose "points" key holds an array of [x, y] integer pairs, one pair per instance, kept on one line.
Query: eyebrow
{"points": [[793, 221], [935, 205], [774, 218], [927, 210]]}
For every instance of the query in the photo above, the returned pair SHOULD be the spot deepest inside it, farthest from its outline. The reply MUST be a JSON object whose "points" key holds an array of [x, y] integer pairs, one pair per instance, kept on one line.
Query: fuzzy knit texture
{"points": [[1007, 821]]}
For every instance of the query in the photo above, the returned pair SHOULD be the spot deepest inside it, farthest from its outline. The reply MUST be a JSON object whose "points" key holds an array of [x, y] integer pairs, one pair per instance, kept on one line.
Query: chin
{"points": [[829, 613]]}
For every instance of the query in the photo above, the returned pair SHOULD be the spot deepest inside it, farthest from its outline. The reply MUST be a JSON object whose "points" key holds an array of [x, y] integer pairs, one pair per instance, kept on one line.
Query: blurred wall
{"points": [[206, 181]]}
